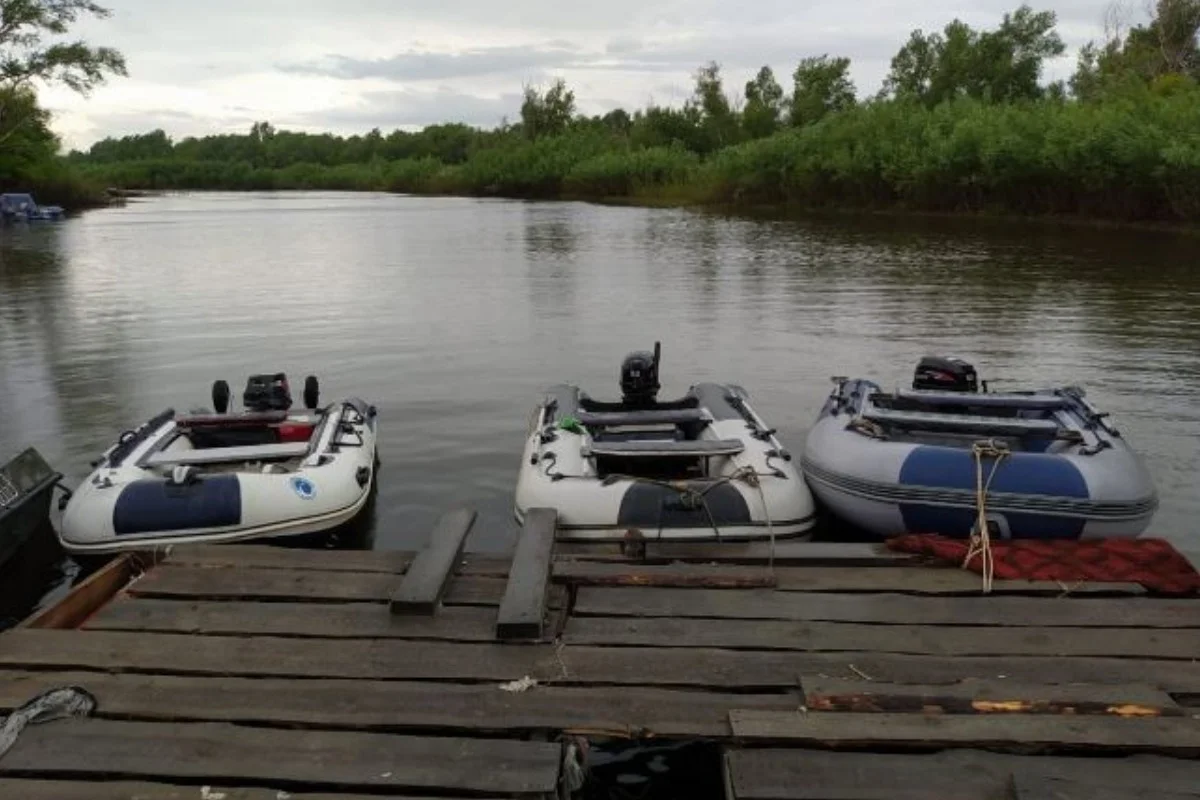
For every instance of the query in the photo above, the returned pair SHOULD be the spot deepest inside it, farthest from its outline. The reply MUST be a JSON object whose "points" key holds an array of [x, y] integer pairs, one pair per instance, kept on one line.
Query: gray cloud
{"points": [[407, 107], [432, 65]]}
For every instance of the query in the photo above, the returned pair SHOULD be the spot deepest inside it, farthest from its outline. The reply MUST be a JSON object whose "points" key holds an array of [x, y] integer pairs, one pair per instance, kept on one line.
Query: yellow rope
{"points": [[981, 541]]}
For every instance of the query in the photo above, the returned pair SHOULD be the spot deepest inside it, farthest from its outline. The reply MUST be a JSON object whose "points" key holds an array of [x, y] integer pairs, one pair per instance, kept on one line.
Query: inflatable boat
{"points": [[1046, 463], [267, 471], [704, 467]]}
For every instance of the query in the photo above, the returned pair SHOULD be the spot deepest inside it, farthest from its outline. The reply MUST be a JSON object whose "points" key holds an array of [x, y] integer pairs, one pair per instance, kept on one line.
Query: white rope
{"points": [[68, 701], [981, 540]]}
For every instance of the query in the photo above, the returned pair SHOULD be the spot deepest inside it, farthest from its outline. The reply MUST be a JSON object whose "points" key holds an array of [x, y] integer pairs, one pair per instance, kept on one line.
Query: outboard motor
{"points": [[267, 393], [639, 378], [939, 374]]}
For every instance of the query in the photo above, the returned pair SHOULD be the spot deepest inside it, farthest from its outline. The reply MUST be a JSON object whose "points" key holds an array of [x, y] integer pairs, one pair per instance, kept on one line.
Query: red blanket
{"points": [[1153, 563]]}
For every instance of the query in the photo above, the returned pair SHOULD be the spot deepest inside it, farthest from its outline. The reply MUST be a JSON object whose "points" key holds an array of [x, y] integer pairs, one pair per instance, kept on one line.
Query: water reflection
{"points": [[452, 314]]}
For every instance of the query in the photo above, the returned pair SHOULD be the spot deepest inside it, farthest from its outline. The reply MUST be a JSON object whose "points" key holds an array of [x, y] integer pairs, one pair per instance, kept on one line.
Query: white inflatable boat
{"points": [[701, 468], [1049, 464], [222, 477]]}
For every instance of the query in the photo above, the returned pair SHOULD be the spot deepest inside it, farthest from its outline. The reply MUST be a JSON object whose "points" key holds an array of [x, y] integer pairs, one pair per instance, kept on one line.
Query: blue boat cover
{"points": [[151, 505]]}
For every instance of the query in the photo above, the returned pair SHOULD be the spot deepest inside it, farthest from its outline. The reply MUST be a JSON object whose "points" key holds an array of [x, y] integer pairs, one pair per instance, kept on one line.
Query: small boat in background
{"points": [[704, 467], [26, 485], [17, 207], [1046, 463], [268, 471]]}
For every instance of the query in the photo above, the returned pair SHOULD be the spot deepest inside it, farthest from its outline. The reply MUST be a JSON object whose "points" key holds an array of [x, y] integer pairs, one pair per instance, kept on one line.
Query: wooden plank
{"points": [[224, 753], [421, 589], [197, 583], [785, 552], [850, 637], [795, 774], [391, 659], [1044, 732], [263, 556], [523, 609], [888, 608], [986, 697], [20, 789], [340, 620], [401, 705], [1029, 787], [678, 575], [903, 579], [83, 600]]}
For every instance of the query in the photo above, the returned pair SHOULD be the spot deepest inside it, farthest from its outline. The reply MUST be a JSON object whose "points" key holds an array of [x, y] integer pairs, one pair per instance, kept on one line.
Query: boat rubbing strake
{"points": [[907, 460], [265, 472], [704, 467]]}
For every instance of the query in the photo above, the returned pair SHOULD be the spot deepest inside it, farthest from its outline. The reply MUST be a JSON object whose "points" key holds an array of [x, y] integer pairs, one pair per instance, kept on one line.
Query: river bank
{"points": [[1129, 159]]}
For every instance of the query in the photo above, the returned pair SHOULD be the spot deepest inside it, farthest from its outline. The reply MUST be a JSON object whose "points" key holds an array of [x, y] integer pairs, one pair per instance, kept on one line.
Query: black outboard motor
{"points": [[267, 393], [940, 374], [639, 378]]}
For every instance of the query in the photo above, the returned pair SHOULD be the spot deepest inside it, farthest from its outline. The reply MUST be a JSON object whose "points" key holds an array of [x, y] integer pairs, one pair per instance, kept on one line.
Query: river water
{"points": [[451, 314]]}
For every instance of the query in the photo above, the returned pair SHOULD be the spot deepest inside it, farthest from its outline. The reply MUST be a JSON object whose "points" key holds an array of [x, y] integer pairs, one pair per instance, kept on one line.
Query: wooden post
{"points": [[421, 589], [523, 609]]}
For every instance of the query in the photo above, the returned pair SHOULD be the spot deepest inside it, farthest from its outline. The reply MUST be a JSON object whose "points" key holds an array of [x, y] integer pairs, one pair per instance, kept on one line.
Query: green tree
{"points": [[1159, 54], [764, 105], [31, 52], [25, 55], [717, 119], [547, 113], [820, 85], [1003, 65]]}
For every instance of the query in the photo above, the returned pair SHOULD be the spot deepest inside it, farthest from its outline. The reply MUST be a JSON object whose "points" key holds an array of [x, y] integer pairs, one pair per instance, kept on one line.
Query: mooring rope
{"points": [[981, 540]]}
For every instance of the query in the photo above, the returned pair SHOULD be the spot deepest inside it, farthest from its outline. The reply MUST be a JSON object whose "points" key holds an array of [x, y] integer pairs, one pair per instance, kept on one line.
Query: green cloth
{"points": [[571, 424]]}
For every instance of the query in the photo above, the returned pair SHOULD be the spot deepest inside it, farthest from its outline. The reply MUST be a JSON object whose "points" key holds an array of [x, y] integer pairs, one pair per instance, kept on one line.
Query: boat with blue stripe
{"points": [[1046, 463]]}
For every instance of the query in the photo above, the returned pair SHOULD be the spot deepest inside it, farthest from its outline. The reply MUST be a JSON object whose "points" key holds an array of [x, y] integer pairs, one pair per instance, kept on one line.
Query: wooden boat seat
{"points": [[660, 448], [221, 455]]}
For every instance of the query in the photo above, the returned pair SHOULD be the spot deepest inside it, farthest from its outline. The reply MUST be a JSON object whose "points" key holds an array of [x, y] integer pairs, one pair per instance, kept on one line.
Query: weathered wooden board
{"points": [[819, 554], [850, 637], [1046, 732], [235, 754], [986, 697], [400, 705], [523, 610], [896, 609], [677, 575], [448, 661], [21, 789], [335, 620], [797, 774], [198, 583], [1030, 787], [258, 556], [424, 583], [265, 556], [84, 599], [903, 579]]}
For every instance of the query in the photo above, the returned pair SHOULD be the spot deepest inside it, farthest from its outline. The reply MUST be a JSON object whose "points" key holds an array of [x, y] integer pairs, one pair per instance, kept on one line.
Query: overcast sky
{"points": [[351, 65]]}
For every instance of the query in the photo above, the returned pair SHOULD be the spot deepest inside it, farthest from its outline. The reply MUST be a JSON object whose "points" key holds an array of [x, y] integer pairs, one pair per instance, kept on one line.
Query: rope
{"points": [[981, 541]]}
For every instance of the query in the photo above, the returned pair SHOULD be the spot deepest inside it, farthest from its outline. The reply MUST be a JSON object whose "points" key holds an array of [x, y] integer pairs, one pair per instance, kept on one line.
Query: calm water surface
{"points": [[451, 314]]}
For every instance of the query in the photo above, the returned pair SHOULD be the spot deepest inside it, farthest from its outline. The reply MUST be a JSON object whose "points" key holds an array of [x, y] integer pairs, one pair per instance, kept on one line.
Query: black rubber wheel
{"points": [[312, 392], [220, 396]]}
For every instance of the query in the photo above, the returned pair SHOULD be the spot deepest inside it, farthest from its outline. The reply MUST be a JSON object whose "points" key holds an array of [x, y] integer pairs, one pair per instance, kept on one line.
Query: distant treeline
{"points": [[962, 123]]}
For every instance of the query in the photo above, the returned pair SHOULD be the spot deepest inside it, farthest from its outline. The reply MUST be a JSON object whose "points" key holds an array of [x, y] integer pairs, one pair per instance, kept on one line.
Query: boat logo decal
{"points": [[304, 488]]}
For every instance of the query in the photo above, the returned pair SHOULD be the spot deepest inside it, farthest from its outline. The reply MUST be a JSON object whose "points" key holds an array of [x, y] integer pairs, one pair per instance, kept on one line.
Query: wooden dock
{"points": [[817, 671]]}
